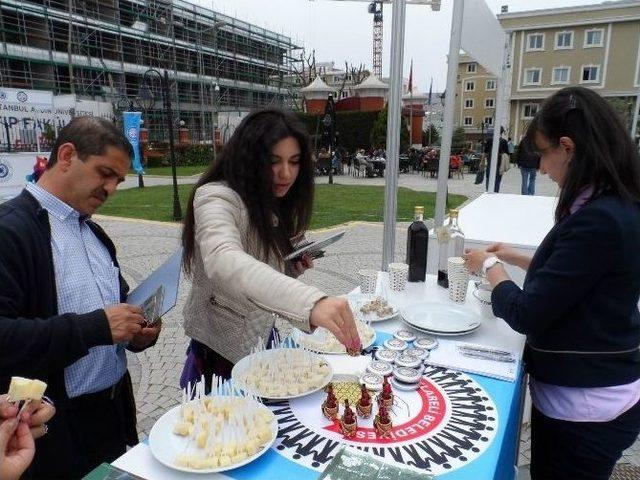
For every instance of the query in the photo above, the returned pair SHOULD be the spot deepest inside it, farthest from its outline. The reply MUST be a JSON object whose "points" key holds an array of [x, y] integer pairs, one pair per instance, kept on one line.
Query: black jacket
{"points": [[527, 159], [579, 304], [36, 342]]}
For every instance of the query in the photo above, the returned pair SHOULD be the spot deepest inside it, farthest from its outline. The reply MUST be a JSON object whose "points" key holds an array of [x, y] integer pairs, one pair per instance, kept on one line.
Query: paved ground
{"points": [[144, 245]]}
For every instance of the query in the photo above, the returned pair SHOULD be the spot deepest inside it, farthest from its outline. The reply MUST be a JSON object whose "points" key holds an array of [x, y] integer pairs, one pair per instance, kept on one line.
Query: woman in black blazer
{"points": [[579, 304]]}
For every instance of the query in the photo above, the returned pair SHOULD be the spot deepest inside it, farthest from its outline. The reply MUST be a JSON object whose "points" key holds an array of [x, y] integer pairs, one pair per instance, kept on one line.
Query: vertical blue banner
{"points": [[131, 122]]}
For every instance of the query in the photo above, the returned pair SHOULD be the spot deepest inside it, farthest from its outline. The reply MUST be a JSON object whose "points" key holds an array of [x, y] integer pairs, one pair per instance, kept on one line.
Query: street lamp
{"points": [[329, 124], [166, 99], [214, 123]]}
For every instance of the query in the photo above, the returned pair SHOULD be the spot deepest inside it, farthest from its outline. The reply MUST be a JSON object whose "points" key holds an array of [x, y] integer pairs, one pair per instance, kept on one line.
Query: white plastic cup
{"points": [[482, 293], [458, 279], [398, 273], [368, 279]]}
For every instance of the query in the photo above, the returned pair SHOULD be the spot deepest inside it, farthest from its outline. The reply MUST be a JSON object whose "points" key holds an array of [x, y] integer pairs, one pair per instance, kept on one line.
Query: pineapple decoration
{"points": [[382, 423], [364, 405], [386, 396], [330, 405], [348, 422]]}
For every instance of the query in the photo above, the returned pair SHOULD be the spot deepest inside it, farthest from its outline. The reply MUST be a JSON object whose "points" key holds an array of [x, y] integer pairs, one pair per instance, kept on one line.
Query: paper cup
{"points": [[368, 279], [458, 279], [482, 293], [398, 276]]}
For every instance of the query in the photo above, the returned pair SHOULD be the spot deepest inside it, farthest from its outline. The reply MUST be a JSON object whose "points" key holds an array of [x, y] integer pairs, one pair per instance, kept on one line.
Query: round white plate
{"points": [[356, 301], [433, 333], [440, 318], [316, 337], [166, 446], [264, 356]]}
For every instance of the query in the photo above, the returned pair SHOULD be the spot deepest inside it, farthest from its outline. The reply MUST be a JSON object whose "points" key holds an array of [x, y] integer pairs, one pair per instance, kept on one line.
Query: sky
{"points": [[342, 31]]}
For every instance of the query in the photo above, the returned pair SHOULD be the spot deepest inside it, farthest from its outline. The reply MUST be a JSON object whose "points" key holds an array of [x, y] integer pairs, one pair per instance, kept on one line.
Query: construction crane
{"points": [[375, 8]]}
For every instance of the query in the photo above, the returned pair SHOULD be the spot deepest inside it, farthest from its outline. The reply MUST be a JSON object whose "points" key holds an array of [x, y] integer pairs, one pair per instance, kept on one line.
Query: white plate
{"points": [[166, 445], [301, 339], [356, 301], [433, 333], [239, 368], [440, 318]]}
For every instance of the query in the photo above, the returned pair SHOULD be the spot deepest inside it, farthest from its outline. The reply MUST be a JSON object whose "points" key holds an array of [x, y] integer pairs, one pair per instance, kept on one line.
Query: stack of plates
{"points": [[440, 319]]}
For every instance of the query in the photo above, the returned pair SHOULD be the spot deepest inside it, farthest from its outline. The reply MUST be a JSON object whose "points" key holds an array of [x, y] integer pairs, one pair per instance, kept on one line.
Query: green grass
{"points": [[335, 204], [180, 171]]}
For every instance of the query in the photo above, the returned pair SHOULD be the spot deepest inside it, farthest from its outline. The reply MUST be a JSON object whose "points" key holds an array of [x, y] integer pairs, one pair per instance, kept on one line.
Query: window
{"points": [[535, 42], [532, 76], [560, 75], [590, 74], [469, 86], [468, 103], [488, 121], [564, 40], [491, 85], [529, 110], [489, 103], [471, 68], [593, 38], [468, 121]]}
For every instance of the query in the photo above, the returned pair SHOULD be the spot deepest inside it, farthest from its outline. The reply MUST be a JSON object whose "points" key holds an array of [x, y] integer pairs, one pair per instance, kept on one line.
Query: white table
{"points": [[520, 221], [492, 332]]}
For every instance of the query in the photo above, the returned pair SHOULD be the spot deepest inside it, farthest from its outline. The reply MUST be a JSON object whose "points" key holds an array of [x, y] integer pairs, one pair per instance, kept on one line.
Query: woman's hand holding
{"points": [[303, 265], [17, 447], [509, 255], [335, 315], [474, 258]]}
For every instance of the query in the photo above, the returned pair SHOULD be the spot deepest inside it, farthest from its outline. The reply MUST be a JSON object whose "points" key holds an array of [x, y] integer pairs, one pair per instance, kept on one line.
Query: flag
{"points": [[131, 121], [430, 88], [411, 77]]}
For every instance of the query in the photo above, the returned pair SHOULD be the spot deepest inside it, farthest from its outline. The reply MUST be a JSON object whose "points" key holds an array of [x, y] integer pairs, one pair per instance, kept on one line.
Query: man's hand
{"points": [[335, 315], [147, 336], [125, 321]]}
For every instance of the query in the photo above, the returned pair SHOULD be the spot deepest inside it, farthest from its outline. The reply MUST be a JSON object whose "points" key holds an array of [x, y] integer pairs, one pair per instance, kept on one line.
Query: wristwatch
{"points": [[488, 263]]}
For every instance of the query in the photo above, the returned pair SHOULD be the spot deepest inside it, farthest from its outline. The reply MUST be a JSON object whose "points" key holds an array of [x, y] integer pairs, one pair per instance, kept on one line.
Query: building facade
{"points": [[475, 103], [100, 50], [595, 46]]}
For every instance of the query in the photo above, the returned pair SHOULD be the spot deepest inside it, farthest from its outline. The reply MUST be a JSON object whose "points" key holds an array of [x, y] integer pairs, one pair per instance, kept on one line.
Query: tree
{"points": [[435, 135], [624, 107], [379, 131], [304, 71]]}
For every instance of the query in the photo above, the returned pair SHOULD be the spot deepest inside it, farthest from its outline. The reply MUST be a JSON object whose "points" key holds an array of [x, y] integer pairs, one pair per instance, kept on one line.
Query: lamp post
{"points": [[329, 123], [166, 99], [214, 114]]}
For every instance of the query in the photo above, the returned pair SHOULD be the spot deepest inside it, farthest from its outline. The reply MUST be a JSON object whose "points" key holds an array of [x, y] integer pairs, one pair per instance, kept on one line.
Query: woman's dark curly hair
{"points": [[245, 166]]}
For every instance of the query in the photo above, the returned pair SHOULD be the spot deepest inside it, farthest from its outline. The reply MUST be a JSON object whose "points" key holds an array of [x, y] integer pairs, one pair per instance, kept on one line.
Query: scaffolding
{"points": [[100, 49]]}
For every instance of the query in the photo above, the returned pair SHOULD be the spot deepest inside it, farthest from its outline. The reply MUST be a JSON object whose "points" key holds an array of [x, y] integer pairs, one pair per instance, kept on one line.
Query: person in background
{"points": [[63, 319], [502, 148], [240, 220], [529, 163], [579, 303], [511, 148]]}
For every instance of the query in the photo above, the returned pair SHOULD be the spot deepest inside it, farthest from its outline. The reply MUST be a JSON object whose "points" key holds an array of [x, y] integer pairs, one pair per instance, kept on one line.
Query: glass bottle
{"points": [[450, 244], [417, 244]]}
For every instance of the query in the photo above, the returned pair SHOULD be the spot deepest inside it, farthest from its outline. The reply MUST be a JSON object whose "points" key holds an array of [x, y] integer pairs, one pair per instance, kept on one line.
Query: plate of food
{"points": [[323, 341], [282, 373], [213, 434], [371, 308]]}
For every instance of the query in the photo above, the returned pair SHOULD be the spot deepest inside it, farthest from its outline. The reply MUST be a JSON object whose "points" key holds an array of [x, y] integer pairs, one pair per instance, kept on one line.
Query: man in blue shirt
{"points": [[63, 318]]}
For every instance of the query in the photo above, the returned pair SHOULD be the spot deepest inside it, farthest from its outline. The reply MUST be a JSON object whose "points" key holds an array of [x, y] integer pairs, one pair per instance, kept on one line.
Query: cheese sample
{"points": [[26, 389]]}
